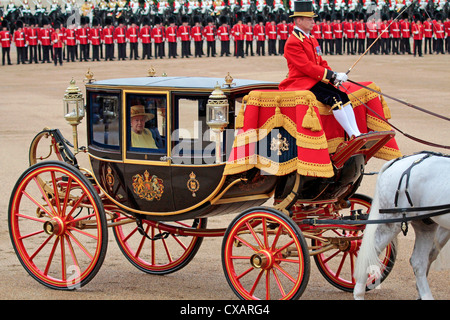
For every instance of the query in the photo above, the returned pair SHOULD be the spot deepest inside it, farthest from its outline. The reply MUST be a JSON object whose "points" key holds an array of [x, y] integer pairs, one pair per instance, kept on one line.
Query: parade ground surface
{"points": [[31, 99]]}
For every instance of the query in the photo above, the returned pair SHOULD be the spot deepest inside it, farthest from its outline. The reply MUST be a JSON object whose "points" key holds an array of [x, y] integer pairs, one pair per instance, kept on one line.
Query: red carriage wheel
{"points": [[43, 147], [57, 225], [169, 253], [337, 265], [264, 256]]}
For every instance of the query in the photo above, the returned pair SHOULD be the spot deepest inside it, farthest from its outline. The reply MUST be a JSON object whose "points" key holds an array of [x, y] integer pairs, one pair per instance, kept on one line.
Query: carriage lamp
{"points": [[217, 115], [73, 104]]}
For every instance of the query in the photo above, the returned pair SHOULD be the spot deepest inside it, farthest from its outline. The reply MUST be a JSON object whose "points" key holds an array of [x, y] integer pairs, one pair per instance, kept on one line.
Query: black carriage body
{"points": [[178, 177]]}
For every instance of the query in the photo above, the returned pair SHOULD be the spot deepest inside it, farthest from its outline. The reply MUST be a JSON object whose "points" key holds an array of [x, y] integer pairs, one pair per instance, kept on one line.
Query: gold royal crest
{"points": [[193, 185], [148, 187]]}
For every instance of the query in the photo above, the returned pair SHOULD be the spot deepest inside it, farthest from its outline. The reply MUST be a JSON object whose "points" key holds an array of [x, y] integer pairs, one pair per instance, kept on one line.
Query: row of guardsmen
{"points": [[35, 44], [354, 35]]}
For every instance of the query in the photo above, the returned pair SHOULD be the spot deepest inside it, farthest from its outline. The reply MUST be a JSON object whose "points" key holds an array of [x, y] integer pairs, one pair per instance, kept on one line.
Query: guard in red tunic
{"points": [[95, 35], [260, 34], [108, 39], [132, 36], [31, 36], [183, 34], [372, 35], [82, 36], [428, 34], [197, 36], [447, 33], [71, 42], [158, 38], [5, 41], [146, 39], [120, 38], [361, 31], [238, 33], [283, 34], [439, 33], [327, 32], [223, 34], [45, 35], [271, 33], [210, 33], [308, 71], [384, 44], [249, 36], [338, 34], [349, 34], [394, 32], [417, 32], [405, 27], [19, 41], [58, 43]]}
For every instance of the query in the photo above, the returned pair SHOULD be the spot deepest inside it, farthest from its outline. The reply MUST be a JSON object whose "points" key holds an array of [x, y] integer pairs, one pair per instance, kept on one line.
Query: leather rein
{"points": [[429, 143]]}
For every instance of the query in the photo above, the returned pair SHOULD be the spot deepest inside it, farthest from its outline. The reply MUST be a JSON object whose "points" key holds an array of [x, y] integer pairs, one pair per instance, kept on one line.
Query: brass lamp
{"points": [[73, 105], [217, 116]]}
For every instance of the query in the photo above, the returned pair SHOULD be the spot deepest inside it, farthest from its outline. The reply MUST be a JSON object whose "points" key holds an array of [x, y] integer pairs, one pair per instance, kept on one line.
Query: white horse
{"points": [[429, 185]]}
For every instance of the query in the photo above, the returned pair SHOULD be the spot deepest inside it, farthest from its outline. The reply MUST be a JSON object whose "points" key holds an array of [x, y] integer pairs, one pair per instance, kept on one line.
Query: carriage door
{"points": [[147, 164], [195, 174]]}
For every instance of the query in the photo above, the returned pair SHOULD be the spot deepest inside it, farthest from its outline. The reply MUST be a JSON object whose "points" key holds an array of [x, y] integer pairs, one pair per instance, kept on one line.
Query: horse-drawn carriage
{"points": [[211, 148]]}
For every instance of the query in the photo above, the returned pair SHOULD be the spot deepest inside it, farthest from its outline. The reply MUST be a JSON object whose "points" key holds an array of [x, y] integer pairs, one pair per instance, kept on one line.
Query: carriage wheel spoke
{"points": [[40, 247], [55, 190], [267, 284], [36, 203], [277, 280], [255, 236], [255, 284], [80, 245], [66, 196], [51, 255], [44, 195]]}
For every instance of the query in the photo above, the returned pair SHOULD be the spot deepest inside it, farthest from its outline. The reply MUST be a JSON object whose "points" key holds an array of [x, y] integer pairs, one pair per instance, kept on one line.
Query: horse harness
{"points": [[353, 218]]}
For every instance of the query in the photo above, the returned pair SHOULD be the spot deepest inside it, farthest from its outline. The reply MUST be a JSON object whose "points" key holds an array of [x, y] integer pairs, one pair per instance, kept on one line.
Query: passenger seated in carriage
{"points": [[309, 71], [142, 137]]}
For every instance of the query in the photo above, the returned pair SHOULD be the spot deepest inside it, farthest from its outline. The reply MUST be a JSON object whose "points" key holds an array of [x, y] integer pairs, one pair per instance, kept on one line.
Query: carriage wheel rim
{"points": [[266, 261], [58, 228]]}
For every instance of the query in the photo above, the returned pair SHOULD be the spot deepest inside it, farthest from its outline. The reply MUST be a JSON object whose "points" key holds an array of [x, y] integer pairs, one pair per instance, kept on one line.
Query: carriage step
{"points": [[367, 144]]}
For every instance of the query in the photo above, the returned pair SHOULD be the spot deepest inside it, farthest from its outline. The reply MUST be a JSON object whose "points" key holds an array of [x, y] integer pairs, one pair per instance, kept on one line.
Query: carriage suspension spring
{"points": [[159, 236]]}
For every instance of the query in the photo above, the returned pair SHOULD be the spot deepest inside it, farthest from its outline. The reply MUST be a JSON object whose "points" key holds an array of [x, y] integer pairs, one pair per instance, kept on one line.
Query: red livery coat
{"points": [[32, 36], [5, 39], [108, 35], [171, 34], [306, 66], [19, 38], [132, 34], [95, 35], [45, 36], [58, 39], [209, 32]]}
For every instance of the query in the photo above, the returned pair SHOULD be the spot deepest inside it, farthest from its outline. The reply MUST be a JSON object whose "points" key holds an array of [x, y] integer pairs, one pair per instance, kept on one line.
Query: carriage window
{"points": [[191, 133], [146, 115], [104, 119]]}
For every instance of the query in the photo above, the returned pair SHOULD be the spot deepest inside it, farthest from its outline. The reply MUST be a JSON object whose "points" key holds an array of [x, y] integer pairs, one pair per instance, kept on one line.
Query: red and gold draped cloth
{"points": [[285, 131]]}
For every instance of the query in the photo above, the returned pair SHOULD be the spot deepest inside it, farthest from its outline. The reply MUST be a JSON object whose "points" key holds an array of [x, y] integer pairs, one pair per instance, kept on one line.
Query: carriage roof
{"points": [[195, 83]]}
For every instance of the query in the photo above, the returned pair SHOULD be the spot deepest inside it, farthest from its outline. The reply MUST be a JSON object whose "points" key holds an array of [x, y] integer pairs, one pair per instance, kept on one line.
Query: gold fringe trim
{"points": [[279, 169]]}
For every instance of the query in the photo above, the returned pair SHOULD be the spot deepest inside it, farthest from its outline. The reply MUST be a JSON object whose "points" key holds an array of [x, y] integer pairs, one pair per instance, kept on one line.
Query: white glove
{"points": [[341, 77]]}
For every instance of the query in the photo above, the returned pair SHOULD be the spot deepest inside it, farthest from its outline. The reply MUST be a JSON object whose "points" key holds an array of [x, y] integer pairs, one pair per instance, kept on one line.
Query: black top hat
{"points": [[303, 9]]}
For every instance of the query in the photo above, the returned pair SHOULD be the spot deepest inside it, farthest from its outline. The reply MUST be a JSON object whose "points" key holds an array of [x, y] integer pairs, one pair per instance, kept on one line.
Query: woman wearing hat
{"points": [[309, 71], [142, 137]]}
